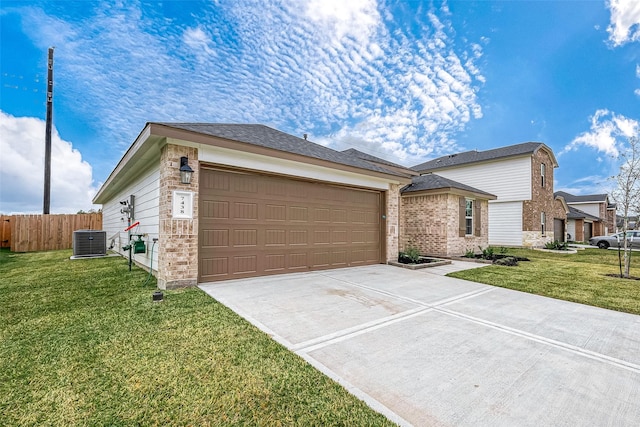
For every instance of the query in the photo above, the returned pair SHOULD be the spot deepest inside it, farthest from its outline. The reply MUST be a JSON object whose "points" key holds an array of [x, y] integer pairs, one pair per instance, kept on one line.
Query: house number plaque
{"points": [[183, 204]]}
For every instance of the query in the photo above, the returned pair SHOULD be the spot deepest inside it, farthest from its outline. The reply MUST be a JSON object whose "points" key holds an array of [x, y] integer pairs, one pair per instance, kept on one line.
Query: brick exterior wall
{"points": [[178, 244], [430, 223], [542, 200], [611, 221], [559, 213], [392, 221], [598, 228]]}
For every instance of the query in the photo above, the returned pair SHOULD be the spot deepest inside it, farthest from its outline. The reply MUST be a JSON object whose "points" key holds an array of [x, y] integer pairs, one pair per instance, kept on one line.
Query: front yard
{"points": [[82, 343], [579, 278]]}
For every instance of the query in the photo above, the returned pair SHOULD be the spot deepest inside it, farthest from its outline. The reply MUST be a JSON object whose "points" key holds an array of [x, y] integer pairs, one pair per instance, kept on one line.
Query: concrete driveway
{"points": [[425, 349]]}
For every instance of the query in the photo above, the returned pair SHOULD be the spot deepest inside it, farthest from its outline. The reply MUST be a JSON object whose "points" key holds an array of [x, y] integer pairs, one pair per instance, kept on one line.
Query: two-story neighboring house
{"points": [[590, 215], [525, 211]]}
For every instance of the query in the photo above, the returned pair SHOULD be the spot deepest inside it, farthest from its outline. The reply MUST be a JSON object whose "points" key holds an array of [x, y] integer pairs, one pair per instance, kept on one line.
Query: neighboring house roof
{"points": [[377, 160], [264, 136], [578, 214], [432, 182], [589, 198], [470, 157]]}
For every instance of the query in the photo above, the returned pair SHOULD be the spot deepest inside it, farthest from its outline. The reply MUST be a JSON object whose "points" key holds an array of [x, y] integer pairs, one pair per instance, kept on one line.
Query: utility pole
{"points": [[47, 141]]}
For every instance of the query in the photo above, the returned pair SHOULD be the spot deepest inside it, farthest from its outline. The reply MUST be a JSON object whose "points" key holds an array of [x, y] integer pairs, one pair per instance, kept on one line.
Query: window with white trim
{"points": [[543, 222], [468, 217], [543, 170]]}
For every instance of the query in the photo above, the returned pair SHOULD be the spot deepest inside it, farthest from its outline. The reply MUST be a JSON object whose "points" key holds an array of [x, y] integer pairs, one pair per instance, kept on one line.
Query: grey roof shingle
{"points": [[474, 156], [264, 136], [432, 181], [570, 198], [369, 157], [578, 214]]}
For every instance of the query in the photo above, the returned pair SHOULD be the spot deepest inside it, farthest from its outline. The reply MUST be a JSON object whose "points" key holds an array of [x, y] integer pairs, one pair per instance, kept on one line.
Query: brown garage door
{"points": [[558, 229], [253, 225]]}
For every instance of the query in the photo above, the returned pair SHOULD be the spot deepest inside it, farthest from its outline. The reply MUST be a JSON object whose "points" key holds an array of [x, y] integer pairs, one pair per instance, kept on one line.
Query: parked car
{"points": [[604, 242]]}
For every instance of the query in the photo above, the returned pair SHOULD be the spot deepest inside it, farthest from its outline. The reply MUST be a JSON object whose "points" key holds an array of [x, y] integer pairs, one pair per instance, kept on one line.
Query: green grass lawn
{"points": [[82, 343], [579, 278]]}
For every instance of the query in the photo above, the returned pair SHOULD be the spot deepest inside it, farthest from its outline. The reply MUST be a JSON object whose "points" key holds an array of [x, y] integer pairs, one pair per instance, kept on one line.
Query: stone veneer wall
{"points": [[178, 244], [430, 224], [392, 221], [542, 200]]}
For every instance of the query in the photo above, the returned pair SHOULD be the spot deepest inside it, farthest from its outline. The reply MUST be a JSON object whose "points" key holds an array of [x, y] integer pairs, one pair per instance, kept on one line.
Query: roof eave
{"points": [[140, 147], [450, 190]]}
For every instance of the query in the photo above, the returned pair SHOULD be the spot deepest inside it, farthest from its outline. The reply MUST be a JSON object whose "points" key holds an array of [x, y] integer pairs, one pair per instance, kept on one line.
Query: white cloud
{"points": [[355, 18], [606, 129], [339, 70], [200, 43], [625, 21], [22, 169]]}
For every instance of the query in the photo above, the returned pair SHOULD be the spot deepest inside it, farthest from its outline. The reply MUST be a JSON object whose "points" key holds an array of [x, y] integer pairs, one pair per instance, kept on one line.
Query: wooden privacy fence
{"points": [[29, 233]]}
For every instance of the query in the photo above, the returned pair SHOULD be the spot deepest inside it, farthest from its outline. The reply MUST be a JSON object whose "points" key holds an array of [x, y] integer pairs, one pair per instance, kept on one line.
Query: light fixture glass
{"points": [[185, 171]]}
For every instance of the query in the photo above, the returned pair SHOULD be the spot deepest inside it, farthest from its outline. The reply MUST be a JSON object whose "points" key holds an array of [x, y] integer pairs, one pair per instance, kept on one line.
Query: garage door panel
{"points": [[270, 225], [245, 184], [275, 263], [275, 237], [339, 237], [298, 214], [215, 209], [275, 212], [339, 258], [215, 238], [245, 237], [244, 211], [246, 264], [213, 268]]}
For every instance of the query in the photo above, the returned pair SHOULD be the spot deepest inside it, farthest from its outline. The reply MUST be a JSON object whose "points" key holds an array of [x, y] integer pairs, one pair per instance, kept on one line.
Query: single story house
{"points": [[259, 202]]}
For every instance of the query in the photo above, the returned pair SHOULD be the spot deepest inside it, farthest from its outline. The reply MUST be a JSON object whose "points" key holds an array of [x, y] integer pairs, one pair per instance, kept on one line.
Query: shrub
{"points": [[410, 256], [508, 261], [487, 253], [556, 245], [469, 253]]}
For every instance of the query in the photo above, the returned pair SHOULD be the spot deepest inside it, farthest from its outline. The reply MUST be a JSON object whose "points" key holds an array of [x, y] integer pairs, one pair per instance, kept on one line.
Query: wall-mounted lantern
{"points": [[185, 171]]}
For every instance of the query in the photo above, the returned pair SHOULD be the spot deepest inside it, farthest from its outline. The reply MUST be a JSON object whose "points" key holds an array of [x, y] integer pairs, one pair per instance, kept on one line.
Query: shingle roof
{"points": [[474, 156], [264, 136], [369, 157], [570, 198], [578, 214], [432, 181]]}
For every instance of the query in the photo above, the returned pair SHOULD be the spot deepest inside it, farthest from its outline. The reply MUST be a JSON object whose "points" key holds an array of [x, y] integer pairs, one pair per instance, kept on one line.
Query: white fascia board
{"points": [[124, 164], [244, 160]]}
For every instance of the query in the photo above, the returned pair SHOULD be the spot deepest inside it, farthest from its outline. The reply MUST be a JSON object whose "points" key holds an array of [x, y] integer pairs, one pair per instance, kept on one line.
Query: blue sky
{"points": [[403, 80]]}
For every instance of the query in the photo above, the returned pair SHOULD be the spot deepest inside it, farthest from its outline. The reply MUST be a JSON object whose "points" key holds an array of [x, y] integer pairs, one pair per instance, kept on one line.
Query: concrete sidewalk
{"points": [[425, 349]]}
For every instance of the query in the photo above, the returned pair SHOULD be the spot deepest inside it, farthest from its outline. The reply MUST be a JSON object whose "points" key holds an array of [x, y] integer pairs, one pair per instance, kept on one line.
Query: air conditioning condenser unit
{"points": [[89, 243]]}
